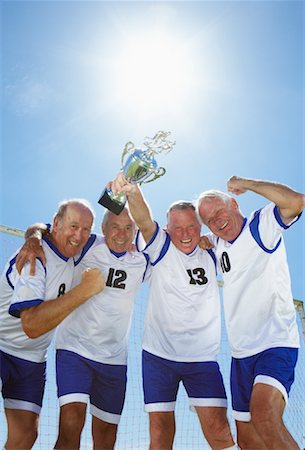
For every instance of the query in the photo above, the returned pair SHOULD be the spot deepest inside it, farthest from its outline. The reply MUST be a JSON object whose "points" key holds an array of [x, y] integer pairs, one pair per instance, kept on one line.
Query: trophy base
{"points": [[113, 206]]}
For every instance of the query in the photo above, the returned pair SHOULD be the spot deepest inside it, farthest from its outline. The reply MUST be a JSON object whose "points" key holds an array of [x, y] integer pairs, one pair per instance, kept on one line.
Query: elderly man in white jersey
{"points": [[258, 305], [91, 344], [182, 325], [30, 308]]}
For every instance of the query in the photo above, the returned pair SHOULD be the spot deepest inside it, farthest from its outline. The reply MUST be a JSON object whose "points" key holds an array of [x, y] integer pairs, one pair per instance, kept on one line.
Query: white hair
{"points": [[182, 205], [108, 213], [211, 195]]}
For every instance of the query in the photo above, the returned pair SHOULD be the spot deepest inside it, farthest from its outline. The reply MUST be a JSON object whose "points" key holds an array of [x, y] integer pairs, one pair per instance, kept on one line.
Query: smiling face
{"points": [[119, 231], [184, 229], [71, 231], [222, 217]]}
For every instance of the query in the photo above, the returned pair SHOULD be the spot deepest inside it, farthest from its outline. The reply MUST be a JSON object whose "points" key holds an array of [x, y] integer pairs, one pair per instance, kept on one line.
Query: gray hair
{"points": [[210, 195], [182, 205], [213, 194], [108, 213]]}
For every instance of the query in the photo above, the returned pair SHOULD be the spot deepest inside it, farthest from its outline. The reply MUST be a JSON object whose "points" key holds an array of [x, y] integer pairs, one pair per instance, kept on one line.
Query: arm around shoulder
{"points": [[32, 248]]}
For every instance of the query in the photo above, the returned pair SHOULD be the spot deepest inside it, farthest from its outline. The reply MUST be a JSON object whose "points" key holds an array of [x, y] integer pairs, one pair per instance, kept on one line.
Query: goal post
{"points": [[11, 231], [299, 306]]}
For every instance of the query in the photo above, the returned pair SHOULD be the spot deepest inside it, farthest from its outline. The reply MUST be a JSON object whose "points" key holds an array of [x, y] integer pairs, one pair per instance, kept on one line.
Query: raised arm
{"points": [[289, 202], [40, 319], [138, 207]]}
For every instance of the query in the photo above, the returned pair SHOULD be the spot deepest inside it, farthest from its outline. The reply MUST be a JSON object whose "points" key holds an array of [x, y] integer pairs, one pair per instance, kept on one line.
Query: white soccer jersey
{"points": [[19, 292], [98, 329], [258, 303], [182, 320]]}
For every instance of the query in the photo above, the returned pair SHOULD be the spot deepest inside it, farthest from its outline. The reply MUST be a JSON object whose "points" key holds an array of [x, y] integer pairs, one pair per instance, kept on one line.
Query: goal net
{"points": [[133, 433]]}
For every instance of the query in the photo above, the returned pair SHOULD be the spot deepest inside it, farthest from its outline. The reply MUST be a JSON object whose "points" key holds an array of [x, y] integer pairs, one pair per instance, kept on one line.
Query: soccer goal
{"points": [[133, 431]]}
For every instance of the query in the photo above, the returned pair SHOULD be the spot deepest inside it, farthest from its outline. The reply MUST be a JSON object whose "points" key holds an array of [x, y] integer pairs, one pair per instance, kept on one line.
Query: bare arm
{"points": [[138, 207], [289, 202], [46, 316], [32, 248]]}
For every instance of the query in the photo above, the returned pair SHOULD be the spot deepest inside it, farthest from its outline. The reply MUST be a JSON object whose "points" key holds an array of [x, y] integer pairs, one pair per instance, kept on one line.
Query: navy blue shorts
{"points": [[23, 383], [274, 366], [202, 381], [79, 379]]}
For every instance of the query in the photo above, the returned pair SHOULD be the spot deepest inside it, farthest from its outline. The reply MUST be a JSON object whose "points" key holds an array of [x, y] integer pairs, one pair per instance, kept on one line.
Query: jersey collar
{"points": [[243, 226], [117, 254]]}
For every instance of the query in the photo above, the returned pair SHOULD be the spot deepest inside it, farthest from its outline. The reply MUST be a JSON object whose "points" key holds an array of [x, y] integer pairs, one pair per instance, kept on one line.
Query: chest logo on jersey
{"points": [[116, 278], [197, 276], [225, 262]]}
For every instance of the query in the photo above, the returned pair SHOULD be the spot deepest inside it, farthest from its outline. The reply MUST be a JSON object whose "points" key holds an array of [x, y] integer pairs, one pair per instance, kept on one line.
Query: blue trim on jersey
{"points": [[163, 250], [136, 240], [279, 219], [87, 246], [117, 254], [213, 256], [15, 308], [153, 236], [55, 250], [242, 227], [44, 268], [255, 233], [192, 252], [9, 271], [151, 240], [147, 262]]}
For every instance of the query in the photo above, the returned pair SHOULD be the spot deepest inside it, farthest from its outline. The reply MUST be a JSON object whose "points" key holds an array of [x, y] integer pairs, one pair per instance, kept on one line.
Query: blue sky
{"points": [[81, 78]]}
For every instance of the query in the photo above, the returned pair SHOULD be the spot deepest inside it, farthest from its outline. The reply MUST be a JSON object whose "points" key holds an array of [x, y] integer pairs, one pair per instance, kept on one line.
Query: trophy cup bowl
{"points": [[138, 166]]}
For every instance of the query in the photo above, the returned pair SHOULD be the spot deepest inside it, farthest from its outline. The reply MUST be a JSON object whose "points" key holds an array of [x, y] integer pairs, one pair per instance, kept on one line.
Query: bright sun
{"points": [[153, 72]]}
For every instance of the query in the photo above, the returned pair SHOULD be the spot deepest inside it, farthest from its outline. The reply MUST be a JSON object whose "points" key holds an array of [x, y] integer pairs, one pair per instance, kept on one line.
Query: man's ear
{"points": [[234, 203], [55, 224]]}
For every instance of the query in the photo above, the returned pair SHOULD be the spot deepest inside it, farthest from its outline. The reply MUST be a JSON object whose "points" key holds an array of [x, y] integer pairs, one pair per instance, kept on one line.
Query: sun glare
{"points": [[153, 72]]}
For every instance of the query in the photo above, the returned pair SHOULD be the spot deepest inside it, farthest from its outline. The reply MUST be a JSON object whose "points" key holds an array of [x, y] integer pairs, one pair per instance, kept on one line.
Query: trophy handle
{"points": [[157, 174], [129, 146]]}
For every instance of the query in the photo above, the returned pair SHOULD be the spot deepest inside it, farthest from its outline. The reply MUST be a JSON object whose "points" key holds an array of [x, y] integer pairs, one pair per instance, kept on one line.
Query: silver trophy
{"points": [[138, 166]]}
